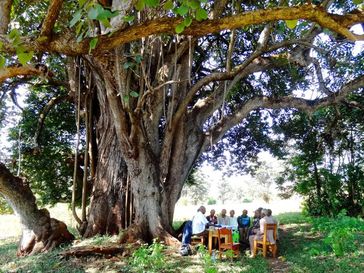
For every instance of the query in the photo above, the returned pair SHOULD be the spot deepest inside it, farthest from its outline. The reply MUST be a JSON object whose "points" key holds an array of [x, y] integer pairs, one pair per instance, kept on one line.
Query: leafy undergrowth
{"points": [[154, 258], [303, 247], [304, 250]]}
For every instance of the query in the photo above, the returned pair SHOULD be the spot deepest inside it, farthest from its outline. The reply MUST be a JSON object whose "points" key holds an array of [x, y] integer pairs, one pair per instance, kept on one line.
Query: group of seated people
{"points": [[249, 229]]}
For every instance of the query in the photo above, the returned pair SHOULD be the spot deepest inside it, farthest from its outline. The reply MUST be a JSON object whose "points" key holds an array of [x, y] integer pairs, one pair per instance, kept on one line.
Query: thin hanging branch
{"points": [[47, 108], [74, 185]]}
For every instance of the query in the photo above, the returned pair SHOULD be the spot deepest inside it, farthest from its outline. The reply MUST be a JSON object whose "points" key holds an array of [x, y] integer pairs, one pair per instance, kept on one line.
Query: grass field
{"points": [[301, 250]]}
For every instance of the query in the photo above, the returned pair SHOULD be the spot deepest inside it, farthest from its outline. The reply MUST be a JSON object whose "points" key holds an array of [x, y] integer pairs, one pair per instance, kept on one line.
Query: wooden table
{"points": [[213, 233]]}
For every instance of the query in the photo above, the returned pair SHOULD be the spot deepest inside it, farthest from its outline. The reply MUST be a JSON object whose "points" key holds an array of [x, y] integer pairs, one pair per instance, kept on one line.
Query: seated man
{"points": [[243, 223], [255, 227], [233, 221], [199, 223], [259, 235], [212, 218], [223, 219]]}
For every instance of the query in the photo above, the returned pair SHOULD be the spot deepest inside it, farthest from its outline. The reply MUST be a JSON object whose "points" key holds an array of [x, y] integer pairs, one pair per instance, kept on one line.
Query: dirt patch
{"points": [[279, 265]]}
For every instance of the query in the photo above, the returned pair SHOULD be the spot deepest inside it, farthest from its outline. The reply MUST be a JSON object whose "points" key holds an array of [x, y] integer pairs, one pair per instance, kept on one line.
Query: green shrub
{"points": [[339, 231], [208, 261], [148, 258], [211, 201]]}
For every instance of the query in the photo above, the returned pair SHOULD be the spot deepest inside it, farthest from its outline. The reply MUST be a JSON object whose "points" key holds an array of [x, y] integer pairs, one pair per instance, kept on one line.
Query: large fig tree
{"points": [[158, 83]]}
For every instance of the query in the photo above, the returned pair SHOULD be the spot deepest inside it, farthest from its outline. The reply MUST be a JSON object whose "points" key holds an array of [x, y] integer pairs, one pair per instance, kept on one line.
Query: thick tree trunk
{"points": [[110, 207], [40, 232], [158, 155], [108, 211]]}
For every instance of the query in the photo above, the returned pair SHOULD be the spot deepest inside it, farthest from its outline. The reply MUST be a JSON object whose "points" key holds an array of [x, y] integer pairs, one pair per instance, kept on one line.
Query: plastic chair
{"points": [[264, 244], [227, 243]]}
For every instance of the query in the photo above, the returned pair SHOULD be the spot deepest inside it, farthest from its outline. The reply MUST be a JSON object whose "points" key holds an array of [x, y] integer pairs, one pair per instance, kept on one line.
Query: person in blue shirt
{"points": [[244, 224]]}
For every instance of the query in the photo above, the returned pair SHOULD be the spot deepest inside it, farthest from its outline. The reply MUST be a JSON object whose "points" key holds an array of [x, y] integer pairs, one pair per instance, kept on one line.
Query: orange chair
{"points": [[264, 244], [227, 243]]}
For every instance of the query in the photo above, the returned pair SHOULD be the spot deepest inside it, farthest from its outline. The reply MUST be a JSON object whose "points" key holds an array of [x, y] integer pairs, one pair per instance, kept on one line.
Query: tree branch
{"points": [[50, 19], [227, 122], [67, 44], [13, 71], [44, 113], [5, 9]]}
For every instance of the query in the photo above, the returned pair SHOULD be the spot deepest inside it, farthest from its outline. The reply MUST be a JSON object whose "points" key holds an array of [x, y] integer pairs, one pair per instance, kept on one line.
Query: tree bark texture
{"points": [[40, 232], [110, 208]]}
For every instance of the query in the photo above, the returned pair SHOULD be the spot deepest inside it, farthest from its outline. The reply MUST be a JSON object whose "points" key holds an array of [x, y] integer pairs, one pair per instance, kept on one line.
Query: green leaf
{"points": [[14, 36], [138, 58], [126, 99], [80, 37], [79, 27], [187, 21], [180, 28], [152, 3], [194, 4], [134, 94], [81, 2], [291, 23], [128, 18], [105, 22], [140, 5], [24, 56], [128, 65], [182, 10], [168, 5], [105, 14], [92, 13], [14, 33], [358, 2], [93, 44], [76, 17], [201, 14], [2, 61], [1, 45]]}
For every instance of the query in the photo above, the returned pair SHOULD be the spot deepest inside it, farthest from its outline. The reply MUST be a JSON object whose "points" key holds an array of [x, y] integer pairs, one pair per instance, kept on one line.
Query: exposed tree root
{"points": [[82, 251]]}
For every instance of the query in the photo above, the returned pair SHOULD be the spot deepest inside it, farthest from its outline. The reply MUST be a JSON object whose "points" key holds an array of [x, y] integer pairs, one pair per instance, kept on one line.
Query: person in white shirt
{"points": [[233, 221], [223, 219], [199, 222]]}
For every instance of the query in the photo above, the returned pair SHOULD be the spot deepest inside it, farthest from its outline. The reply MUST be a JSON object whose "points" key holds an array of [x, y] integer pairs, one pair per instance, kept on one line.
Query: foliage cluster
{"points": [[304, 250], [324, 163], [339, 232], [148, 258]]}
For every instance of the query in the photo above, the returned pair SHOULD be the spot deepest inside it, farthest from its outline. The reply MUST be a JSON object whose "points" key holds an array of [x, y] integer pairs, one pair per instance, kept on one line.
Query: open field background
{"points": [[10, 225]]}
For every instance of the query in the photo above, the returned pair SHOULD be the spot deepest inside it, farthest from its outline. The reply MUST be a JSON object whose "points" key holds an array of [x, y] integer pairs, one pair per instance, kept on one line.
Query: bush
{"points": [[148, 258], [211, 201], [339, 231]]}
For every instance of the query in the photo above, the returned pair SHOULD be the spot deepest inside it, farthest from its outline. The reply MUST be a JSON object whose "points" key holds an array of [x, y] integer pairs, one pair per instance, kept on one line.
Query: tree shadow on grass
{"points": [[44, 262]]}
